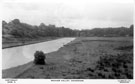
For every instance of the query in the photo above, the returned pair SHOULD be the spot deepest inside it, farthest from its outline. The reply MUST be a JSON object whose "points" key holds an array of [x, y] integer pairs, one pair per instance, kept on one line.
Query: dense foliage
{"points": [[18, 29], [119, 66], [39, 57]]}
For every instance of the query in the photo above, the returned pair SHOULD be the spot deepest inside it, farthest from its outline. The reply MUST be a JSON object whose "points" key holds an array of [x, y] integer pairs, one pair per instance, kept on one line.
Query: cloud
{"points": [[21, 6], [75, 14]]}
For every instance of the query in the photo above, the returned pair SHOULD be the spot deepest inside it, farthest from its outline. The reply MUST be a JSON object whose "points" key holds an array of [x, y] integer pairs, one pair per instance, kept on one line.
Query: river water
{"points": [[12, 57]]}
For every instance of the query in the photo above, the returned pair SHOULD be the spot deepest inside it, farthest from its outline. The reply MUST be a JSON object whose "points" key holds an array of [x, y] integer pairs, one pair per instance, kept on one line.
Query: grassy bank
{"points": [[87, 58], [14, 42]]}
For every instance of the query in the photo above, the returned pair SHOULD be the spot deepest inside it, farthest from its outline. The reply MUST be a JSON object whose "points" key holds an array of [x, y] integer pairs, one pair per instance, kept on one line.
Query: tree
{"points": [[23, 30], [131, 30]]}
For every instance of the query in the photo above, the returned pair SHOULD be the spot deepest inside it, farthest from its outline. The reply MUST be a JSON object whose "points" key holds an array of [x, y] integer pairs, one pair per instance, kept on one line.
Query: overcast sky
{"points": [[75, 14]]}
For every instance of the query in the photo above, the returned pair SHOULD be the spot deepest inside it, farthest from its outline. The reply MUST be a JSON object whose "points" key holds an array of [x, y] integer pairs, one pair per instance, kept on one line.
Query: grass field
{"points": [[8, 42], [87, 58]]}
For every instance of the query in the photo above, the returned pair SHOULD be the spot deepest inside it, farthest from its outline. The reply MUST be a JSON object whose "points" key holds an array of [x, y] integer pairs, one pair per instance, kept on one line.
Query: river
{"points": [[12, 57]]}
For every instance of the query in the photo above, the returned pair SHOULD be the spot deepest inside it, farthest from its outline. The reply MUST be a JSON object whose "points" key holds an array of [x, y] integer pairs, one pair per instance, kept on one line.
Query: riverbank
{"points": [[21, 42], [83, 58]]}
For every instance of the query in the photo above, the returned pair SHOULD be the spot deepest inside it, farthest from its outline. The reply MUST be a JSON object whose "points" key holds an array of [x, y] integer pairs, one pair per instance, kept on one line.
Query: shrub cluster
{"points": [[118, 66], [39, 57], [125, 48]]}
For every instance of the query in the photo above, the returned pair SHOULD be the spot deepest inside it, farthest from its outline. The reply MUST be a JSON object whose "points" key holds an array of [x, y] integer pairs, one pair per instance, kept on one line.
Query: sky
{"points": [[75, 14]]}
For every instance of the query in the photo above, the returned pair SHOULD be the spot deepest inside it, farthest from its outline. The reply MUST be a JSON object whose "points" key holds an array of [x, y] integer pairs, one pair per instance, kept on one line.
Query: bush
{"points": [[119, 66], [39, 57]]}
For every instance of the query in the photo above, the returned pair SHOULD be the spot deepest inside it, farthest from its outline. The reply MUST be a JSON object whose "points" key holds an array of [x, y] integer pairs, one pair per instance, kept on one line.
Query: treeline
{"points": [[18, 29], [108, 32], [22, 30]]}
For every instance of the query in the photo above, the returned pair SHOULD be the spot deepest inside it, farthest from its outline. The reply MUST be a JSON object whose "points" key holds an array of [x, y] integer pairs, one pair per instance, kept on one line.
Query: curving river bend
{"points": [[12, 57]]}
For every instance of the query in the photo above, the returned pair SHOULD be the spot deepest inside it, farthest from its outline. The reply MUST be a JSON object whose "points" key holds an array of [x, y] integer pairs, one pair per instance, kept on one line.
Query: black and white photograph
{"points": [[67, 40]]}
